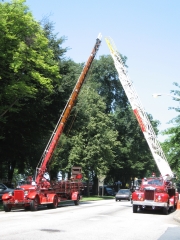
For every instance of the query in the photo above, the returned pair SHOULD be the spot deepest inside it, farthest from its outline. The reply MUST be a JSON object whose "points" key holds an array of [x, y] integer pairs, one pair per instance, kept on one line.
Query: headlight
{"points": [[10, 194], [25, 193], [139, 196], [159, 198]]}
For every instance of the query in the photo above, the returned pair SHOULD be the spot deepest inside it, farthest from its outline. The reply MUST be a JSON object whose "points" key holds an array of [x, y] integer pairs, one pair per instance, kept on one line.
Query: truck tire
{"points": [[175, 206], [54, 204], [7, 208], [34, 204], [76, 202], [27, 208], [165, 210], [135, 207]]}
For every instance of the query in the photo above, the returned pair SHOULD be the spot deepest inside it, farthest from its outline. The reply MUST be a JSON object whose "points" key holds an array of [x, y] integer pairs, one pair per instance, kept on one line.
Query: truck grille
{"points": [[18, 194], [149, 194]]}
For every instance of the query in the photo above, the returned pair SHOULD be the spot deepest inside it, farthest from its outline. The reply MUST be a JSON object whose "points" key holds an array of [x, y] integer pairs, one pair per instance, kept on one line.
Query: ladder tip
{"points": [[99, 36]]}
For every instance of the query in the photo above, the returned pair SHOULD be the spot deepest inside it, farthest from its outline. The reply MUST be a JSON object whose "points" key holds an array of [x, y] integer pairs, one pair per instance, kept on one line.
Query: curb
{"points": [[177, 216]]}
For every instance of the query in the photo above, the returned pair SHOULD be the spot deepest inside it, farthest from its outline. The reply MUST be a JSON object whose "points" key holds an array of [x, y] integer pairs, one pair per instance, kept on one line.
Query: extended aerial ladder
{"points": [[48, 152], [140, 113]]}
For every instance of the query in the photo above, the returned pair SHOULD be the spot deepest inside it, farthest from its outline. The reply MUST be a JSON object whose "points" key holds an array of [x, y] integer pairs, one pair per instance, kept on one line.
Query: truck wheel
{"points": [[27, 208], [135, 207], [7, 208], [76, 202], [54, 204], [34, 204], [165, 210]]}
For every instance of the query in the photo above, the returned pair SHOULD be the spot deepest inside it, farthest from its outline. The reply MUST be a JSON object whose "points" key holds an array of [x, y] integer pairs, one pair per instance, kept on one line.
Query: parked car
{"points": [[123, 194], [107, 191], [4, 189]]}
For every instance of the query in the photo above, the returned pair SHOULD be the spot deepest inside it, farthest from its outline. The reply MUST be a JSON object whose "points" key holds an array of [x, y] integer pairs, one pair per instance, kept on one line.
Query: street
{"points": [[98, 220]]}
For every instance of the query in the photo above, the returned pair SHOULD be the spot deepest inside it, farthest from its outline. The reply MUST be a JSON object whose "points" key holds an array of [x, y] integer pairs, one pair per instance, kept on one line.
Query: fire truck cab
{"points": [[155, 193]]}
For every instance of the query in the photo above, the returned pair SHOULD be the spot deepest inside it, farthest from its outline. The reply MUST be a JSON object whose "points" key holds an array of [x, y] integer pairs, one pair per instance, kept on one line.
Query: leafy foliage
{"points": [[26, 61], [28, 73], [171, 145]]}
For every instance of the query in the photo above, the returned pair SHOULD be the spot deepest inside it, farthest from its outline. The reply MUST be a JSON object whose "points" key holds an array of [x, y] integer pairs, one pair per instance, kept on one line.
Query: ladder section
{"points": [[48, 152], [140, 113]]}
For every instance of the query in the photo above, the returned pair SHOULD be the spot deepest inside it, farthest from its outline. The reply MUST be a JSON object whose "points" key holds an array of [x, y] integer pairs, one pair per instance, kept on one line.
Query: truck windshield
{"points": [[157, 182]]}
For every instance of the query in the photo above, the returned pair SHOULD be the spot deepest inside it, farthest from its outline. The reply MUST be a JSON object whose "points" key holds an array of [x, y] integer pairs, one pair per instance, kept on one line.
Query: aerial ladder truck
{"points": [[153, 193], [43, 192]]}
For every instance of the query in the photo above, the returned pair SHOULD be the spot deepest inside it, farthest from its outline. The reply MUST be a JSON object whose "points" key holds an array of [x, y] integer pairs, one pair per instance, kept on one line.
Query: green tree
{"points": [[70, 72], [27, 78], [134, 158], [92, 139], [171, 145], [26, 61], [104, 78]]}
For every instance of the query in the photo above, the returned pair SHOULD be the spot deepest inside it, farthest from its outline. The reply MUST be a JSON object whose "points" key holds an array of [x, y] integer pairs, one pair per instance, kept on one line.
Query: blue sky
{"points": [[147, 32]]}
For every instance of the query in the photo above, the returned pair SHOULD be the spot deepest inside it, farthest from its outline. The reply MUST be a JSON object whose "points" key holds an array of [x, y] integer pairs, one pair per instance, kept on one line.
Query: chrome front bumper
{"points": [[17, 202], [150, 203]]}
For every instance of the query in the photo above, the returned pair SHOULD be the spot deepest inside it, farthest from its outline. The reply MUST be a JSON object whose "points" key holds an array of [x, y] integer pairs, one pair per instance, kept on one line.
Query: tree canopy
{"points": [[27, 78], [171, 144]]}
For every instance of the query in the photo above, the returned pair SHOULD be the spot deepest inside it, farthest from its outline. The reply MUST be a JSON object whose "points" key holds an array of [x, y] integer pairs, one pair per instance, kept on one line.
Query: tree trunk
{"points": [[11, 167]]}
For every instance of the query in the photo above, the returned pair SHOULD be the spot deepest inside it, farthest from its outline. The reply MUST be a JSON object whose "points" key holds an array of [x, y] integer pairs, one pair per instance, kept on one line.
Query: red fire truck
{"points": [[153, 193], [42, 191]]}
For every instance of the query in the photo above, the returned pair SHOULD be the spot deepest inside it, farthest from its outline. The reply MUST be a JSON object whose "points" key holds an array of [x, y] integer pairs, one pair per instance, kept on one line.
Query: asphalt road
{"points": [[100, 220]]}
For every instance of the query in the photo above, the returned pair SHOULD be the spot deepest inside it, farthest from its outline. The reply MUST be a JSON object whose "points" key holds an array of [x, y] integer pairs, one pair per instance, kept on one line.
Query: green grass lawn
{"points": [[96, 198]]}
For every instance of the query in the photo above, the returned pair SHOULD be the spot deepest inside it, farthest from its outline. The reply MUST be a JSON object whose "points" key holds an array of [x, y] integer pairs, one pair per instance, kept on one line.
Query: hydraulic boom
{"points": [[140, 113], [48, 152]]}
